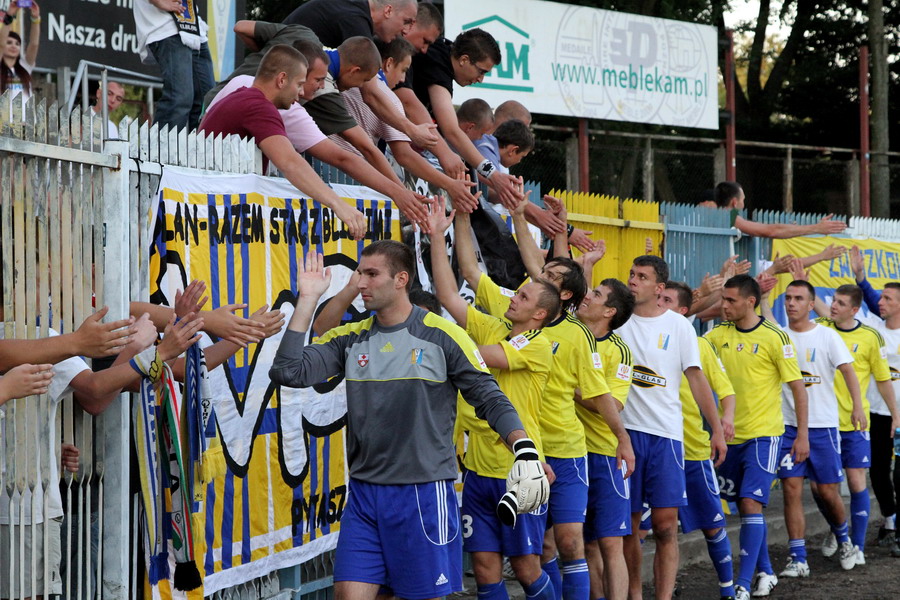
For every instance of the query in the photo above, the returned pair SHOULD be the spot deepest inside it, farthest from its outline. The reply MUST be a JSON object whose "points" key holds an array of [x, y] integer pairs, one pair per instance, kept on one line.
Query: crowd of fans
{"points": [[582, 407]]}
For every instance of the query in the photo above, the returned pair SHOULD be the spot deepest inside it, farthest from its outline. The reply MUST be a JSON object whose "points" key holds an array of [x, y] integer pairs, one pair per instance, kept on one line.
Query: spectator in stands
{"points": [[15, 70], [115, 95], [475, 118], [397, 55], [731, 195], [335, 21], [253, 112], [514, 142], [428, 27], [466, 60], [178, 44], [508, 110]]}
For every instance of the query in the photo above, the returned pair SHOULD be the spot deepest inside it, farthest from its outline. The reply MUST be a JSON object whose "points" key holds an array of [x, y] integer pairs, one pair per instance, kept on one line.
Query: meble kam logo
{"points": [[512, 74]]}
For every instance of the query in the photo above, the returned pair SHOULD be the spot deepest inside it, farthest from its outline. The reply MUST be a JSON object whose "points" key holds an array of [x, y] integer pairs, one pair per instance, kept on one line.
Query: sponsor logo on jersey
{"points": [[389, 347], [623, 372], [417, 354], [725, 345], [895, 374], [598, 362], [663, 342], [519, 342], [362, 359], [810, 355], [788, 351], [479, 359], [646, 377], [809, 379]]}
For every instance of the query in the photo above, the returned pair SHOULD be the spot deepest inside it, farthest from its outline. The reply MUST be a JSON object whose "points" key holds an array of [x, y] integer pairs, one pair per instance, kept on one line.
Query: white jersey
{"points": [[892, 345], [820, 351], [662, 348]]}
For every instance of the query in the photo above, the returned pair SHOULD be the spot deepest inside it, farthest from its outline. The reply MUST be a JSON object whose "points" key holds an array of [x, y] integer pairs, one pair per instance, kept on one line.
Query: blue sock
{"points": [[552, 570], [753, 531], [797, 550], [859, 517], [541, 589], [841, 532], [576, 581], [493, 591], [720, 554], [763, 563]]}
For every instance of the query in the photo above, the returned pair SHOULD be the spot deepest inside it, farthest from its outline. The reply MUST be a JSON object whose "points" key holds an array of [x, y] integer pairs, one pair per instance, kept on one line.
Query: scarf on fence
{"points": [[207, 461], [157, 426], [188, 23]]}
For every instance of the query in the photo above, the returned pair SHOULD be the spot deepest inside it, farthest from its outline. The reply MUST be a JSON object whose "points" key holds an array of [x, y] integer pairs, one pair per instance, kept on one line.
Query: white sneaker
{"points": [[798, 569], [860, 557], [847, 555], [508, 571], [741, 593], [830, 546], [764, 585]]}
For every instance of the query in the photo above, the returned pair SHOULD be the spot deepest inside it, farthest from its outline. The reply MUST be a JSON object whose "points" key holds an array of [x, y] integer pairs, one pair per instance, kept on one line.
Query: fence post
{"points": [[113, 424], [718, 165], [853, 204], [572, 164], [648, 170], [788, 200]]}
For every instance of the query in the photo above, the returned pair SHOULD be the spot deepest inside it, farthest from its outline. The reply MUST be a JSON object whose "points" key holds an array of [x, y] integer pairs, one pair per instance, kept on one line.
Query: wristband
{"points": [[569, 229], [36, 21], [148, 364], [8, 19], [486, 169]]}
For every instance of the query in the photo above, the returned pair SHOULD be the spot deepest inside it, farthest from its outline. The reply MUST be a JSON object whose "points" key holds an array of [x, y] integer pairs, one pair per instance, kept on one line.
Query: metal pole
{"points": [[789, 181], [85, 96], [864, 156], [583, 156], [104, 104], [730, 135]]}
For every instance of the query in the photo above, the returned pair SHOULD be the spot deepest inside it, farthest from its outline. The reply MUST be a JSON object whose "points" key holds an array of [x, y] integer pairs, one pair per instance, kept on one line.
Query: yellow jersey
{"points": [[576, 364], [758, 361], [616, 357], [529, 357], [869, 354], [696, 438]]}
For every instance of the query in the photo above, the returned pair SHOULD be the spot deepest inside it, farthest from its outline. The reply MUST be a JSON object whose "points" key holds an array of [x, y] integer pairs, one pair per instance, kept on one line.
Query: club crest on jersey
{"points": [[755, 348], [555, 347], [810, 355], [646, 377], [362, 359], [663, 342], [739, 347], [854, 348], [417, 354]]}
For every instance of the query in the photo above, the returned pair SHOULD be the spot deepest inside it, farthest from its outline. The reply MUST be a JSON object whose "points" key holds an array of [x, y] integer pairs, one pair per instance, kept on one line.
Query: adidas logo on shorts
{"points": [[743, 552], [441, 580], [757, 492], [622, 526], [865, 459]]}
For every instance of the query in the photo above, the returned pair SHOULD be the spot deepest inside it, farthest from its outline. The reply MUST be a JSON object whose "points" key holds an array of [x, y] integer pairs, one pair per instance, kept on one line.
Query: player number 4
{"points": [[787, 462]]}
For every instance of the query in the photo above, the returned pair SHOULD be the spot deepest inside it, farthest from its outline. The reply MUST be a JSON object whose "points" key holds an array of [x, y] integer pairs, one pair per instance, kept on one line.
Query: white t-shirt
{"points": [[63, 374], [153, 24], [662, 348], [301, 130], [892, 345], [820, 351], [17, 89]]}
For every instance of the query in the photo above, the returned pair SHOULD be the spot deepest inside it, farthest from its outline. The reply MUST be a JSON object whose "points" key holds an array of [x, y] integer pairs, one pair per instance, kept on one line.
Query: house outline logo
{"points": [[513, 73]]}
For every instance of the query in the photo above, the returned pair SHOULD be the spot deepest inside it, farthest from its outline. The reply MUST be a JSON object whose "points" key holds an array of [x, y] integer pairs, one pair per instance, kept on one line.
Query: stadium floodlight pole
{"points": [[730, 135], [864, 156]]}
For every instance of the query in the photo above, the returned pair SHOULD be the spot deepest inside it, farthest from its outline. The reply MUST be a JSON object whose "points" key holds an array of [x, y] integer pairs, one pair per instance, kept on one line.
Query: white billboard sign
{"points": [[577, 61]]}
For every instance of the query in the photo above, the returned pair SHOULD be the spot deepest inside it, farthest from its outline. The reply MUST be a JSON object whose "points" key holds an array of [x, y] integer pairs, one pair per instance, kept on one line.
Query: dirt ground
{"points": [[878, 579]]}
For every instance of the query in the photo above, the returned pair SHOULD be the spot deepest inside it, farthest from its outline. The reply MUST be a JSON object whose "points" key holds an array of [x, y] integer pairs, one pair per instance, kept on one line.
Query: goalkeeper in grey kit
{"points": [[403, 367]]}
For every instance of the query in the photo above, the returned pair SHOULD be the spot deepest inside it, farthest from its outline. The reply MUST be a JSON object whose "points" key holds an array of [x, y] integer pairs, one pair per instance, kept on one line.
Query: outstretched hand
{"points": [[313, 279], [438, 219]]}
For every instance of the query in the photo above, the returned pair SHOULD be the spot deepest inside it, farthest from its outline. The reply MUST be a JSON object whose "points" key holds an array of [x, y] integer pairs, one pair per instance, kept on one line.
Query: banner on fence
{"points": [[281, 500], [882, 263], [578, 61]]}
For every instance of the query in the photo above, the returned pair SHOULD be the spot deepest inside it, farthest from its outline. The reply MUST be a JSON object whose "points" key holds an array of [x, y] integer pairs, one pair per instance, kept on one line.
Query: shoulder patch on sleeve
{"points": [[788, 350], [518, 342], [883, 351], [597, 360], [479, 359], [507, 292], [623, 372]]}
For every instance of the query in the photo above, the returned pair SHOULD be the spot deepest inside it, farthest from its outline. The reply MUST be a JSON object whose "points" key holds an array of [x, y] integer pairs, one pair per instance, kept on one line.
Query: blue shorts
{"points": [[569, 493], [704, 506], [749, 469], [404, 537], [824, 462], [609, 500], [482, 530], [658, 477], [856, 450]]}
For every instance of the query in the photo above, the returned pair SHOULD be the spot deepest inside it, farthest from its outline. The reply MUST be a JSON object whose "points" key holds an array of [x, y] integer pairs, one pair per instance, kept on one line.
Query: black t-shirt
{"points": [[433, 68], [333, 21]]}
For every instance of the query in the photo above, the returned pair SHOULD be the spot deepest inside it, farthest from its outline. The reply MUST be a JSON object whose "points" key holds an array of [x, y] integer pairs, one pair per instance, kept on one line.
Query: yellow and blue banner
{"points": [[281, 499], [881, 259]]}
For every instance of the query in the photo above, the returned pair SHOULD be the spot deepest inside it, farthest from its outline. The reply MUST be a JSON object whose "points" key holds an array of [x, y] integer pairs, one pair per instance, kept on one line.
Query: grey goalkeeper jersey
{"points": [[402, 383]]}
